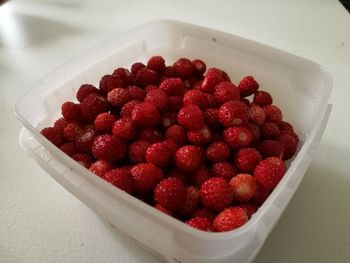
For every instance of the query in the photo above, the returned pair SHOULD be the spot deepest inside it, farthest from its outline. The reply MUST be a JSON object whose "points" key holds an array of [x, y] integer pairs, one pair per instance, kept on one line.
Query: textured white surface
{"points": [[42, 222]]}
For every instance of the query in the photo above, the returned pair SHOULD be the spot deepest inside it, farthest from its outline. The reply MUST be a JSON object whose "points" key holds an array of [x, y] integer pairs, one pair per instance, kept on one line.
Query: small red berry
{"points": [[156, 63], [136, 67], [273, 113], [158, 98], [262, 98], [69, 148], [104, 122], [244, 187], [229, 219], [83, 159], [92, 106], [170, 193], [85, 90], [70, 111], [118, 97], [200, 137], [195, 97], [60, 124], [127, 108], [256, 114], [199, 67], [213, 77], [205, 213], [211, 118], [247, 159], [121, 179], [168, 119], [247, 86], [224, 170], [146, 77], [150, 135], [191, 200], [145, 115], [237, 137], [146, 176], [72, 131], [191, 117], [218, 152], [137, 151], [183, 68], [173, 87], [110, 82], [233, 113], [177, 134], [269, 172], [188, 158], [289, 145], [53, 135], [84, 141], [175, 103], [201, 223], [216, 193], [125, 75], [269, 130], [158, 154], [269, 148], [109, 148], [124, 128], [226, 91], [100, 167], [136, 93]]}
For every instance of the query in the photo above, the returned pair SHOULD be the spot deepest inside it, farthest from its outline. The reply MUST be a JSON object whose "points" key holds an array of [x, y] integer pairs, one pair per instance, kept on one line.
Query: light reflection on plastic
{"points": [[10, 31]]}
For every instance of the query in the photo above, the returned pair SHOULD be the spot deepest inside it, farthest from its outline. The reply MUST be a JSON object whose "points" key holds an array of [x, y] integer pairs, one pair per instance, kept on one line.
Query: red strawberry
{"points": [[255, 131], [173, 87], [172, 147], [127, 108], [109, 148], [233, 113], [92, 106], [110, 82], [191, 117], [225, 170], [212, 103], [269, 172], [285, 126], [269, 148], [247, 159], [72, 131], [262, 98], [100, 167], [118, 97], [289, 145], [156, 63], [125, 75], [183, 68], [84, 159], [104, 122], [190, 201], [216, 193], [158, 98], [199, 67], [121, 179], [269, 130], [70, 111], [85, 90], [244, 187], [158, 154], [188, 158], [273, 113], [200, 176], [247, 86], [201, 223], [146, 176], [69, 148], [84, 141], [124, 129], [200, 137], [146, 77], [226, 91], [177, 134], [195, 97], [53, 135], [145, 115], [213, 77], [150, 135], [136, 93], [137, 151], [60, 124], [238, 137], [256, 114], [229, 219], [136, 67], [170, 193], [218, 152]]}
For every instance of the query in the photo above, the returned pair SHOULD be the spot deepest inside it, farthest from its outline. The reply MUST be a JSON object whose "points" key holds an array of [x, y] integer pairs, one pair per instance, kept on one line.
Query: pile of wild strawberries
{"points": [[183, 139]]}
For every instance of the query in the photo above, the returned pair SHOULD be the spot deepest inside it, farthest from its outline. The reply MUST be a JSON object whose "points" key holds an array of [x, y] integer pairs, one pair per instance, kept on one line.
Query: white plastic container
{"points": [[300, 87]]}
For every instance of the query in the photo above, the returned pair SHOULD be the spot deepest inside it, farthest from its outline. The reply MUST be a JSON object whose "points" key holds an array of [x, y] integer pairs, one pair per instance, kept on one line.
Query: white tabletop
{"points": [[42, 222]]}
